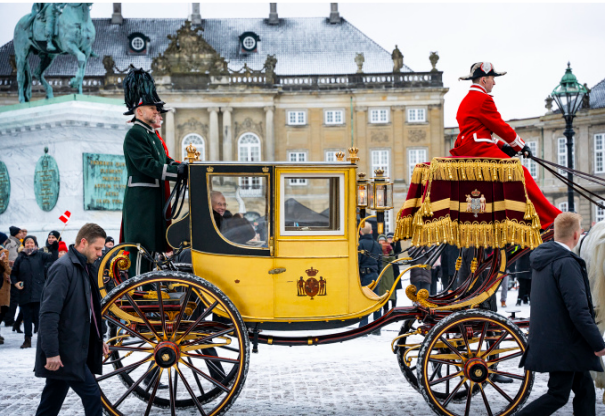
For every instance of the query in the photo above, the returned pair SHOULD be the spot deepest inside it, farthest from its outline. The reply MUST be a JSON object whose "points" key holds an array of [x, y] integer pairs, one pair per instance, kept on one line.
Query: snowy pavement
{"points": [[358, 377]]}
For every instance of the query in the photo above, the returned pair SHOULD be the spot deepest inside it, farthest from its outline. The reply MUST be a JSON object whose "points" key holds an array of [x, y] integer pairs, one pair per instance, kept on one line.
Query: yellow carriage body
{"points": [[297, 273]]}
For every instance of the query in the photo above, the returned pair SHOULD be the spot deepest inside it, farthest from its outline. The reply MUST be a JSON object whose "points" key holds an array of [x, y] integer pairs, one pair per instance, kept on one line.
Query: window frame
{"points": [[296, 122], [299, 182], [529, 163], [596, 213], [412, 166], [387, 171], [416, 119], [597, 152], [282, 208], [573, 153], [371, 111], [334, 123], [326, 152], [561, 205]]}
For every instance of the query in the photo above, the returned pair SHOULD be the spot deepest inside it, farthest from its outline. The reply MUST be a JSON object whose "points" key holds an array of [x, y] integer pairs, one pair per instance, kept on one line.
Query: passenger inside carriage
{"points": [[234, 227]]}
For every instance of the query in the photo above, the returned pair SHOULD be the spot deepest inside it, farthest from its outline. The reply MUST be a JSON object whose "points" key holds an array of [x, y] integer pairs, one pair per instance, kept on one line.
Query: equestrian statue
{"points": [[50, 30]]}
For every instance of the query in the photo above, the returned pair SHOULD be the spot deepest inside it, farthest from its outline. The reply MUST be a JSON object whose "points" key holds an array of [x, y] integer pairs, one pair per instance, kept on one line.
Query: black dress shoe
{"points": [[17, 327], [497, 378]]}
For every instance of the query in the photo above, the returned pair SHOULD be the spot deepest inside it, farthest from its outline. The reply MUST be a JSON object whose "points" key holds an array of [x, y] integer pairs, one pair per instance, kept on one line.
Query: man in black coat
{"points": [[70, 343], [563, 337], [370, 264]]}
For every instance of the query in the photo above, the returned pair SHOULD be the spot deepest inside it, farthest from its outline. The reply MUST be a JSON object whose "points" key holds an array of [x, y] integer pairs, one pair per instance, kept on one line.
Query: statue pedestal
{"points": [[70, 127]]}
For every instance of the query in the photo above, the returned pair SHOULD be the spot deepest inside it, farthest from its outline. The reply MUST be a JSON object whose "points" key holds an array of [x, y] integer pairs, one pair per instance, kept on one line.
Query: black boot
{"points": [[27, 343], [17, 327]]}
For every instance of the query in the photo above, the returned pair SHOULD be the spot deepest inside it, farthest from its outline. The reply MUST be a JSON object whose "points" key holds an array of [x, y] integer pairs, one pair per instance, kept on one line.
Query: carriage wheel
{"points": [[472, 346], [181, 344]]}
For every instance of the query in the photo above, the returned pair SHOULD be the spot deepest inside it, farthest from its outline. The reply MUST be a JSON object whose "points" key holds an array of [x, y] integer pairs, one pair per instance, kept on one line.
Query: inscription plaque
{"points": [[104, 181], [5, 188], [46, 182]]}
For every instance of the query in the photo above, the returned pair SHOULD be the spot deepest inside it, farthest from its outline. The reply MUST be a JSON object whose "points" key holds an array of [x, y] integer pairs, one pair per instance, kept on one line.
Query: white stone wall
{"points": [[68, 129]]}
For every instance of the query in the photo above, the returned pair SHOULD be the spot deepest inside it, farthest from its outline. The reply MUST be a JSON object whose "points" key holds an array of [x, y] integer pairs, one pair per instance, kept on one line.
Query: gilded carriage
{"points": [[289, 261]]}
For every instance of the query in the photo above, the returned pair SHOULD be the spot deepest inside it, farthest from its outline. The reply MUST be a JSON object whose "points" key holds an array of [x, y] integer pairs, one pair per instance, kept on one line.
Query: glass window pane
{"points": [[315, 207], [421, 116], [239, 208]]}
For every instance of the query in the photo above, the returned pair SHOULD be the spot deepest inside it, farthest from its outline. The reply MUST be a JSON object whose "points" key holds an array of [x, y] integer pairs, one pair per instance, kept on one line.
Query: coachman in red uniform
{"points": [[478, 119]]}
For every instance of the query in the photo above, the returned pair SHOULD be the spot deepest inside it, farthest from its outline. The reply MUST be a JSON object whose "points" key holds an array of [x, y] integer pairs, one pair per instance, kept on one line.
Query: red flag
{"points": [[65, 217]]}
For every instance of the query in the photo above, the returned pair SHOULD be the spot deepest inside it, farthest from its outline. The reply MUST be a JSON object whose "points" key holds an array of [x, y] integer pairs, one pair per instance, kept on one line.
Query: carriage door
{"points": [[311, 243]]}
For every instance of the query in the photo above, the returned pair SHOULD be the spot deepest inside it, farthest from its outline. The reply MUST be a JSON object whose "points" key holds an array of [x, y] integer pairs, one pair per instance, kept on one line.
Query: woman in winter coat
{"points": [[28, 277], [5, 281], [388, 278]]}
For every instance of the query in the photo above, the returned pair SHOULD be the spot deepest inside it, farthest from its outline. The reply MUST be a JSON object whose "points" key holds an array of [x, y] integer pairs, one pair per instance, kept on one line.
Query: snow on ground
{"points": [[358, 377]]}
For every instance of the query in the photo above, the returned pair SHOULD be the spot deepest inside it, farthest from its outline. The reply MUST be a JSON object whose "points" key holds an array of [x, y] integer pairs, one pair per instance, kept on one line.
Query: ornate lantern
{"points": [[380, 197], [362, 194]]}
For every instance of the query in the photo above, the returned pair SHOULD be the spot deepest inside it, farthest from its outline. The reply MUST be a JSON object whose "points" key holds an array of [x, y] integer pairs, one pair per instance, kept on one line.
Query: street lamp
{"points": [[569, 95], [380, 193], [362, 195]]}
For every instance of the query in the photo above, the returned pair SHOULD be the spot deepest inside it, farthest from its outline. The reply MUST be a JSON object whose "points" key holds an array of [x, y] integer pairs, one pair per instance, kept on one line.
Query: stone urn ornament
{"points": [[359, 60]]}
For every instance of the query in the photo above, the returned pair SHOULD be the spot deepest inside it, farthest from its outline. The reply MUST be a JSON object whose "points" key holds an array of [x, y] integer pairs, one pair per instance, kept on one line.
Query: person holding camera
{"points": [[28, 276]]}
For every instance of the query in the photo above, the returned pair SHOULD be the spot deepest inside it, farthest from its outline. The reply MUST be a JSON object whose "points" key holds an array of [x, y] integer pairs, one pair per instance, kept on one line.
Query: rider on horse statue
{"points": [[478, 119], [49, 12]]}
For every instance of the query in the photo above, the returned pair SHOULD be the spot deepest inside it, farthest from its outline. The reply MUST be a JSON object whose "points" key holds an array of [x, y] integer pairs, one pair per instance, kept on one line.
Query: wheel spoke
{"points": [[445, 378], [130, 331], [172, 395], [156, 383], [133, 349], [499, 390], [451, 396], [142, 315], [485, 401], [158, 290], [465, 338], [469, 396], [211, 358], [208, 337], [451, 347], [182, 312], [197, 379], [437, 370], [123, 369], [494, 345], [196, 323], [191, 393], [446, 362], [508, 357], [511, 375], [133, 386], [481, 338], [205, 376]]}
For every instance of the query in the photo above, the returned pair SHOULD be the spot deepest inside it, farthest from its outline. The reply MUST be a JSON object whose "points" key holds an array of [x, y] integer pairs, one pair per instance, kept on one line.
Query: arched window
{"points": [[249, 148], [249, 151], [197, 141]]}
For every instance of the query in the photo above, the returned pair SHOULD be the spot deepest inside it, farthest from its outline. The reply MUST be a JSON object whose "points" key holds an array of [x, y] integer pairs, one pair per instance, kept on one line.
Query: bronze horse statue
{"points": [[73, 33]]}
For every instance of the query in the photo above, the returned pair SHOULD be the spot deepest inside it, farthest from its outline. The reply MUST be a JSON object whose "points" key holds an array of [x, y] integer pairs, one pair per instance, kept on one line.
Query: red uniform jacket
{"points": [[478, 118]]}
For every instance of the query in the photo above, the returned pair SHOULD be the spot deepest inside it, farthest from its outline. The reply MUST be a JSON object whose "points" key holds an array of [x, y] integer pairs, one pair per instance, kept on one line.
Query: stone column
{"points": [[170, 136], [213, 153], [269, 138], [227, 139]]}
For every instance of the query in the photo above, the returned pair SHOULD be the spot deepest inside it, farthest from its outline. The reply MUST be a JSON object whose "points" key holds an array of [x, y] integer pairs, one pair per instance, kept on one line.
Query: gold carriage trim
{"points": [[487, 170], [444, 230], [421, 173]]}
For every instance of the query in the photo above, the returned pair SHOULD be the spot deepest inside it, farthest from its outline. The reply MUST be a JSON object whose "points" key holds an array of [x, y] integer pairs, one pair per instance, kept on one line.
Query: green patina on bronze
{"points": [[46, 182], [5, 188], [104, 181]]}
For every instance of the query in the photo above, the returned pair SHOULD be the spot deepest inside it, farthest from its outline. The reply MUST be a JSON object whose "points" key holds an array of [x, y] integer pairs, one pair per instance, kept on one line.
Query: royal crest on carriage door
{"points": [[476, 203], [312, 287]]}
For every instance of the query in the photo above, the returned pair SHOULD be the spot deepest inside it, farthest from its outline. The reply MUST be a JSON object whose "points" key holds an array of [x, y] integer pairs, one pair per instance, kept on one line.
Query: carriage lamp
{"points": [[569, 96], [362, 194], [380, 197]]}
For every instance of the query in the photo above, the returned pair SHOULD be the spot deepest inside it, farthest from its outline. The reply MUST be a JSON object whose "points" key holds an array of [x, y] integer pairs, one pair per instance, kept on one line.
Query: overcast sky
{"points": [[533, 42]]}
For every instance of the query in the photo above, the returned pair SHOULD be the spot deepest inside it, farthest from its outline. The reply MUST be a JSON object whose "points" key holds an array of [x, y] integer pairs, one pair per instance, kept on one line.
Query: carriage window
{"points": [[314, 209], [240, 208]]}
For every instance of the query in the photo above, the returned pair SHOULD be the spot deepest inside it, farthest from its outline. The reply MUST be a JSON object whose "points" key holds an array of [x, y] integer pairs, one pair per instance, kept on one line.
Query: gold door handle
{"points": [[277, 270]]}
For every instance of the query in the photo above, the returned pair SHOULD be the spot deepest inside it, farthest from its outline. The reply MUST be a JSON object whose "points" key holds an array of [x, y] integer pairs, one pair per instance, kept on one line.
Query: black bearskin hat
{"points": [[139, 90]]}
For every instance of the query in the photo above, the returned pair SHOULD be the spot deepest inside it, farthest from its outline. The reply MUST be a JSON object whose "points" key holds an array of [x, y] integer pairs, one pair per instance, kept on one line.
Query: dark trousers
{"points": [[524, 289], [55, 391], [422, 285], [30, 315], [366, 279], [560, 384], [10, 315]]}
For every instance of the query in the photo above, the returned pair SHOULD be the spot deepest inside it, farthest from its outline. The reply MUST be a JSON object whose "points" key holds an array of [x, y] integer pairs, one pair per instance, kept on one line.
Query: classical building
{"points": [[296, 89], [544, 134]]}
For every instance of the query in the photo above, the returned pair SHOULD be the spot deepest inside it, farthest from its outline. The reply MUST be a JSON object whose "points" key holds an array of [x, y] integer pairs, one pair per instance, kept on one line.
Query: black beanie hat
{"points": [[108, 239], [33, 237], [56, 234], [14, 230], [3, 238]]}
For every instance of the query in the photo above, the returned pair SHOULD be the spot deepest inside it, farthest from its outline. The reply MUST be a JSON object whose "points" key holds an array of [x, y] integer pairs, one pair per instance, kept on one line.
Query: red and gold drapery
{"points": [[436, 208]]}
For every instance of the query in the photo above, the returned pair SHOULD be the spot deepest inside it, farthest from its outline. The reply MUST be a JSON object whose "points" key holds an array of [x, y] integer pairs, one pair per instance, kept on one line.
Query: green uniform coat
{"points": [[148, 168]]}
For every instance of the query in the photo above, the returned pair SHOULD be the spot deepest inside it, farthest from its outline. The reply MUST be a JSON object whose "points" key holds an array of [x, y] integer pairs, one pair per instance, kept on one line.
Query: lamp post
{"points": [[362, 195], [380, 192], [569, 95]]}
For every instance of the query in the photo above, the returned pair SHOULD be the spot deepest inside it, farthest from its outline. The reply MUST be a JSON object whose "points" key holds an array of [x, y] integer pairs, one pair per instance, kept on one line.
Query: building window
{"points": [[415, 156], [297, 118], [331, 155], [380, 160], [600, 213], [197, 141], [599, 147], [563, 206], [416, 115], [562, 152], [249, 151], [530, 164], [334, 117], [379, 115], [295, 157]]}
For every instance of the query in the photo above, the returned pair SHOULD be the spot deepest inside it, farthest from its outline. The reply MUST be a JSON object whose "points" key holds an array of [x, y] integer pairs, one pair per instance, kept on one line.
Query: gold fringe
{"points": [[420, 175], [489, 170]]}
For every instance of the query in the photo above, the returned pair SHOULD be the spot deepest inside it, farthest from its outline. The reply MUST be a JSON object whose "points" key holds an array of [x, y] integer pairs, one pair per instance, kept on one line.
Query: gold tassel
{"points": [[458, 262], [474, 265]]}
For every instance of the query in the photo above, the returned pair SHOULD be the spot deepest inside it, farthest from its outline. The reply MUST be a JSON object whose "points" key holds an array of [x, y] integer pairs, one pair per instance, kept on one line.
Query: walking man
{"points": [[70, 343], [563, 337]]}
